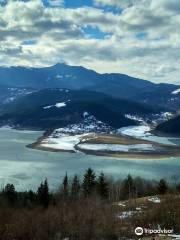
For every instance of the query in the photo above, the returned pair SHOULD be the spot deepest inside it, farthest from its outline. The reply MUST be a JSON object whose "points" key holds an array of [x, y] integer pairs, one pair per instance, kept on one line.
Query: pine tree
{"points": [[43, 194], [31, 196], [89, 182], [102, 187], [128, 189], [65, 187], [75, 188], [162, 186], [10, 193]]}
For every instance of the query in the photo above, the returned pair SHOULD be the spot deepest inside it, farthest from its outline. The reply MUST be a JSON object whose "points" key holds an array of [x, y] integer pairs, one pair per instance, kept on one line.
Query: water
{"points": [[26, 168]]}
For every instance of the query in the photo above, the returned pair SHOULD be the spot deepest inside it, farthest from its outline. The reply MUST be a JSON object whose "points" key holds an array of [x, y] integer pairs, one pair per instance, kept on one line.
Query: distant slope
{"points": [[52, 108], [9, 94], [171, 127], [160, 95], [65, 76], [76, 78]]}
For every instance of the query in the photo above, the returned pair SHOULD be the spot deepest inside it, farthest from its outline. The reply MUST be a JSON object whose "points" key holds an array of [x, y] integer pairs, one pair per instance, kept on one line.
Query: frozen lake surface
{"points": [[26, 168]]}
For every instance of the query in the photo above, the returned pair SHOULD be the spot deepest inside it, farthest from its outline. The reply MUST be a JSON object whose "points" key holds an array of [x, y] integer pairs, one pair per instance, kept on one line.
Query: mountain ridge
{"points": [[115, 85], [52, 108]]}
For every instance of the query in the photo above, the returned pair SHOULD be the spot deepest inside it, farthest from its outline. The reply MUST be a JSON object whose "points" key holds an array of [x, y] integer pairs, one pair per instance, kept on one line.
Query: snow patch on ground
{"points": [[59, 105], [121, 205], [142, 132], [175, 236], [6, 127], [126, 214], [135, 131], [63, 142], [154, 199], [138, 209], [176, 91], [47, 107], [129, 214], [88, 125], [167, 115], [14, 93], [68, 137], [135, 118], [117, 147], [85, 114], [58, 76], [150, 118]]}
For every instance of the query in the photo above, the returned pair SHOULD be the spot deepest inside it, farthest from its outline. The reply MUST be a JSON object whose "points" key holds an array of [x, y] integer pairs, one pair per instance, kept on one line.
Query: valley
{"points": [[89, 120], [86, 118], [68, 125]]}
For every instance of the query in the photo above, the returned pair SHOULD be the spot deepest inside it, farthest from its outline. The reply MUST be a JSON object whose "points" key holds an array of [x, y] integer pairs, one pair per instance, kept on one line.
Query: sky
{"points": [[140, 38]]}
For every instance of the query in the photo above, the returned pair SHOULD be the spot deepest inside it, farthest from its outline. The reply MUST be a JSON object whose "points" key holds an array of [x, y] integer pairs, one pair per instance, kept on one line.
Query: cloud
{"points": [[56, 3], [165, 5], [142, 40], [118, 3]]}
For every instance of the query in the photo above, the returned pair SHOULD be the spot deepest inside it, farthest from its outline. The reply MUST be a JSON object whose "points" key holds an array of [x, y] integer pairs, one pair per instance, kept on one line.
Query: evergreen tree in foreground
{"points": [[10, 193], [75, 188], [162, 186], [128, 189], [43, 194], [65, 187], [89, 182], [102, 187]]}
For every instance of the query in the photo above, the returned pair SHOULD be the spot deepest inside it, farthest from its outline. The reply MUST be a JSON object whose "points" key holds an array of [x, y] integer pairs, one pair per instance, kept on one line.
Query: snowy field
{"points": [[68, 137], [63, 142], [136, 131], [117, 147], [143, 132]]}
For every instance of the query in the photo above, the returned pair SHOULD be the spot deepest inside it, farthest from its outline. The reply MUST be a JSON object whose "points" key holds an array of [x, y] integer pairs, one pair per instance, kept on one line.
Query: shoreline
{"points": [[118, 155], [170, 151]]}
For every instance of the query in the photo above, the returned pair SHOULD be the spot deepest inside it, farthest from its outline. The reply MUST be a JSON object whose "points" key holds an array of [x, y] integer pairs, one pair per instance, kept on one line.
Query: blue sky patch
{"points": [[141, 35], [94, 32], [29, 42], [77, 3]]}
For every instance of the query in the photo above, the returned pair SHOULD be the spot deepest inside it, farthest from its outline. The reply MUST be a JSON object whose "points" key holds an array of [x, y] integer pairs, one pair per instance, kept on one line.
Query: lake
{"points": [[26, 168]]}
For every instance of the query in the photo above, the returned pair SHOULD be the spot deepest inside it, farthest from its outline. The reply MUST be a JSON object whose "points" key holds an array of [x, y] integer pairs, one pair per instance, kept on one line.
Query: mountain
{"points": [[161, 95], [53, 108], [9, 94], [65, 76], [76, 78], [171, 127]]}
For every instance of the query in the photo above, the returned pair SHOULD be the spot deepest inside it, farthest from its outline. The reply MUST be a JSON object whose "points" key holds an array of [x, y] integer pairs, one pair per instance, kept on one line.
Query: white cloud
{"points": [[56, 3], [143, 40], [118, 3]]}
